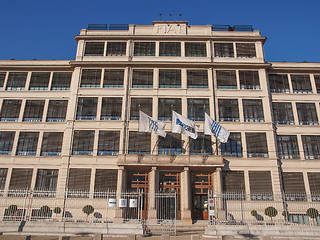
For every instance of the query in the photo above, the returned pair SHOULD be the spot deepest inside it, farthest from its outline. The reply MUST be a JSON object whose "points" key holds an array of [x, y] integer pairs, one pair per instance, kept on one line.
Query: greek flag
{"points": [[211, 127], [183, 125], [149, 124]]}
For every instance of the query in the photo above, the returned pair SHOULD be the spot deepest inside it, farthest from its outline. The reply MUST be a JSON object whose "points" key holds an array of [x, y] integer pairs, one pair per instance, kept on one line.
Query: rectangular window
{"points": [[288, 147], [246, 50], [317, 80], [301, 83], [51, 144], [111, 108], [144, 48], [314, 179], [307, 114], [293, 185], [228, 110], [90, 78], [169, 78], [47, 179], [142, 78], [108, 143], [226, 79], [196, 49], [10, 110], [223, 50], [39, 81], [2, 78], [249, 79], [57, 110], [170, 49], [83, 142], [61, 81], [106, 180], [87, 108], [233, 182], [311, 146], [94, 49], [33, 111], [20, 178], [143, 104], [139, 143], [260, 185], [279, 83], [197, 108], [170, 145], [257, 145], [79, 182], [200, 146], [16, 81], [282, 113], [113, 78], [3, 177], [27, 144], [116, 48], [232, 148], [253, 110], [6, 142], [197, 78], [166, 106]]}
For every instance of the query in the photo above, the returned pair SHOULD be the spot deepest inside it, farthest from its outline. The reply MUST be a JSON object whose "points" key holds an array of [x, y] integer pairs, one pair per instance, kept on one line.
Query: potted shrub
{"points": [[45, 211], [88, 209], [254, 213], [57, 210], [271, 212], [313, 213]]}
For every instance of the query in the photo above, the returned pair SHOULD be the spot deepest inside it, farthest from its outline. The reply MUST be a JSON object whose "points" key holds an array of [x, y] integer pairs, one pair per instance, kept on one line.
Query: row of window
{"points": [[192, 49]]}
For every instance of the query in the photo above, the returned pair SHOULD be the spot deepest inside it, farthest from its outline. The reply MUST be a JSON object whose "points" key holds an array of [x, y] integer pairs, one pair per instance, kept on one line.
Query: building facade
{"points": [[73, 125]]}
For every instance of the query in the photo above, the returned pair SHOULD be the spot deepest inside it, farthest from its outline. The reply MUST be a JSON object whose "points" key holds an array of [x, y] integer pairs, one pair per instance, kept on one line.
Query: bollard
{"points": [[28, 237], [97, 236]]}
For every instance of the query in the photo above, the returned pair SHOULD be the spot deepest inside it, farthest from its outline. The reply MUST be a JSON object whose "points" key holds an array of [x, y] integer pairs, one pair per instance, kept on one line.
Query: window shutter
{"points": [[20, 178], [79, 179], [106, 180], [293, 182], [233, 182], [260, 182]]}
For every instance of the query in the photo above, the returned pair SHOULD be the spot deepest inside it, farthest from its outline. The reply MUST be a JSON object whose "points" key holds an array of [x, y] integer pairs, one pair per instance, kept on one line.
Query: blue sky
{"points": [[45, 29]]}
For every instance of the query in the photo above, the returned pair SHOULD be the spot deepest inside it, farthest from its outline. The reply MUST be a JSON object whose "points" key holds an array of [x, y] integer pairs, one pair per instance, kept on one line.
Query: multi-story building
{"points": [[73, 125]]}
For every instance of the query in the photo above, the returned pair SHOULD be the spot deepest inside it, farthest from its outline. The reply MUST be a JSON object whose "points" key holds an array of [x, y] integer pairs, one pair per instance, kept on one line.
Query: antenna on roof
{"points": [[170, 19], [180, 16], [160, 15]]}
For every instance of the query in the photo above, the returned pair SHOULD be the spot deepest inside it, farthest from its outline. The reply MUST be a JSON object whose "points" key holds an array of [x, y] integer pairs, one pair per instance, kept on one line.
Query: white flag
{"points": [[211, 127], [149, 124], [183, 125]]}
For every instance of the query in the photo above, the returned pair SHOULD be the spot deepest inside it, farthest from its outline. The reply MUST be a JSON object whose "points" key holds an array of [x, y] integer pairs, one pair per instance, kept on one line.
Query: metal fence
{"points": [[263, 209]]}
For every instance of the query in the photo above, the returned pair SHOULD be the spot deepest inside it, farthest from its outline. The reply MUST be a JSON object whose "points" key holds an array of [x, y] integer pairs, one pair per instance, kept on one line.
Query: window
{"points": [[3, 177], [39, 81], [61, 81], [33, 111], [113, 78], [257, 145], [111, 108], [279, 83], [143, 104], [139, 143], [253, 110], [301, 83], [246, 50], [223, 50], [20, 178], [27, 144], [197, 78], [233, 182], [87, 108], [47, 179], [196, 49], [16, 81], [282, 113], [260, 185], [52, 144], [170, 145], [105, 180], [166, 106], [10, 110], [108, 143], [79, 182], [293, 185], [169, 78], [94, 49], [314, 179], [311, 146], [142, 78], [2, 78], [144, 48], [228, 110], [288, 147], [57, 110], [6, 142], [83, 142], [90, 78], [249, 80], [226, 79], [317, 80], [232, 148], [116, 48], [170, 49], [307, 114], [200, 146], [197, 108]]}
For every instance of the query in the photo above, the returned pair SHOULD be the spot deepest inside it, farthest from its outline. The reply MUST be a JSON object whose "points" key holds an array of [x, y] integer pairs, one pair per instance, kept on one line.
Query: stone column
{"points": [[186, 197], [217, 190], [153, 184], [120, 188]]}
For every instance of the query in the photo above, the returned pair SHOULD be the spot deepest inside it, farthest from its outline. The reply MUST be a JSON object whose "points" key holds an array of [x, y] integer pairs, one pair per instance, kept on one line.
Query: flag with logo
{"points": [[211, 127], [183, 125], [149, 124]]}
